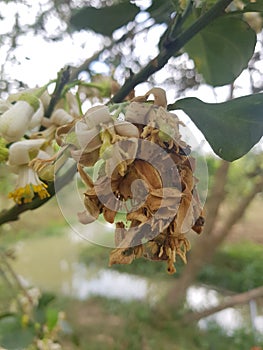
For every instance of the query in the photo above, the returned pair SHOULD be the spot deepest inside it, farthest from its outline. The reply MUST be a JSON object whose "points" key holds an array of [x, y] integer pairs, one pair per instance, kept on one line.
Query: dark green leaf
{"points": [[46, 299], [104, 20], [13, 335], [254, 7], [160, 11], [232, 128], [222, 50], [6, 314]]}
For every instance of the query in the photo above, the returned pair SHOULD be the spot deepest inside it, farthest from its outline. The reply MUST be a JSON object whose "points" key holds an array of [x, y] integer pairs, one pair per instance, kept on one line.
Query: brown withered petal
{"points": [[138, 215], [187, 177], [97, 115], [199, 224], [124, 128], [108, 214], [88, 139], [86, 218], [165, 200], [148, 173], [120, 233], [182, 213], [121, 256], [62, 132], [159, 96], [170, 267], [151, 251], [85, 177], [126, 182], [122, 154], [93, 205], [139, 113], [85, 159]]}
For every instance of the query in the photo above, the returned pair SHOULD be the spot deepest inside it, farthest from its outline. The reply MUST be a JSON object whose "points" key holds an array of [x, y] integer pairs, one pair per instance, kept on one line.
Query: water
{"points": [[51, 263]]}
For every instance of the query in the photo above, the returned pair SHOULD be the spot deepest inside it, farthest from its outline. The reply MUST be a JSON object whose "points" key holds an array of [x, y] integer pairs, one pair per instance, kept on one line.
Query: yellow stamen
{"points": [[27, 193]]}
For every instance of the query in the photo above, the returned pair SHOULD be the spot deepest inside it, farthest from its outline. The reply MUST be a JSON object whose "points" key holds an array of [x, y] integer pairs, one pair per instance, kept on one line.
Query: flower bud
{"points": [[25, 114]]}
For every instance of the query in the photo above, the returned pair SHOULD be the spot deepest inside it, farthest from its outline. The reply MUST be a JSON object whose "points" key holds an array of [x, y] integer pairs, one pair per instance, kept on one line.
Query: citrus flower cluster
{"points": [[138, 170], [142, 178], [22, 115]]}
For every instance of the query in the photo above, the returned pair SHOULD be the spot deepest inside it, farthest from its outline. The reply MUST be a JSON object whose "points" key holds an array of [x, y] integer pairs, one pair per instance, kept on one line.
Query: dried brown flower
{"points": [[145, 172]]}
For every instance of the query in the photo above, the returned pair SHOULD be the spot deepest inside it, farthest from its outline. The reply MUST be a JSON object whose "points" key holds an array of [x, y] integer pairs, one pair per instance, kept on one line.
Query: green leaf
{"points": [[160, 11], [232, 128], [13, 335], [254, 7], [104, 20], [222, 50], [51, 318], [46, 299]]}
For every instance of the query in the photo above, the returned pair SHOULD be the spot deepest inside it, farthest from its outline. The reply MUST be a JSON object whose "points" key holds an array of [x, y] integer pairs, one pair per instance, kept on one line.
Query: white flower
{"points": [[22, 152], [25, 114], [28, 182]]}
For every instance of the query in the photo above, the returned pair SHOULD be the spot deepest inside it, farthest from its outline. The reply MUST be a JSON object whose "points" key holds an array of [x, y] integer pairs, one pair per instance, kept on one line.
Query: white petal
{"points": [[14, 122], [19, 152], [97, 115], [61, 117], [88, 139], [37, 117]]}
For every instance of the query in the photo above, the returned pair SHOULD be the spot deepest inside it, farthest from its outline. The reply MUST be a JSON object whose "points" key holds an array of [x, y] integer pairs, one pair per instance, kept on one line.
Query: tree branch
{"points": [[170, 49], [230, 301], [62, 80]]}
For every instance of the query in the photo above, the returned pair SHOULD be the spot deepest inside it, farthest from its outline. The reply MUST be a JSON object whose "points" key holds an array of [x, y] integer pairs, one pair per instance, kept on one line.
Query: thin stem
{"points": [[62, 80]]}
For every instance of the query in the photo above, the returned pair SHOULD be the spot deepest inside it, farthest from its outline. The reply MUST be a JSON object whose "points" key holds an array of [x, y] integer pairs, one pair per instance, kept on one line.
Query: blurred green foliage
{"points": [[236, 267], [137, 325]]}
